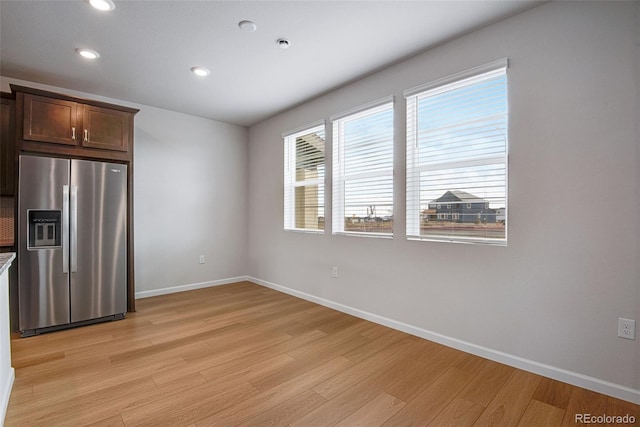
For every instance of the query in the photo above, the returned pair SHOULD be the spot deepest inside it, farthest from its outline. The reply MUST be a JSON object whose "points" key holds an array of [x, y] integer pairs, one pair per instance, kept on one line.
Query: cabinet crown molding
{"points": [[56, 95]]}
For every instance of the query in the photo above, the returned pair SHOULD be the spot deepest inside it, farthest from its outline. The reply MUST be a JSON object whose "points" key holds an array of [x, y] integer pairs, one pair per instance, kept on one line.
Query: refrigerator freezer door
{"points": [[98, 235], [43, 287]]}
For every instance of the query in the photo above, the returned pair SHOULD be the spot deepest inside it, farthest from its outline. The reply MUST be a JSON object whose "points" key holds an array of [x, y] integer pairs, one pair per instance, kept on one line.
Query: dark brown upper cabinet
{"points": [[106, 128], [50, 120], [59, 124]]}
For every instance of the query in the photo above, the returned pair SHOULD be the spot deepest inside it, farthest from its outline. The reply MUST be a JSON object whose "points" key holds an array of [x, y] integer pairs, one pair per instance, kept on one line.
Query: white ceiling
{"points": [[148, 47]]}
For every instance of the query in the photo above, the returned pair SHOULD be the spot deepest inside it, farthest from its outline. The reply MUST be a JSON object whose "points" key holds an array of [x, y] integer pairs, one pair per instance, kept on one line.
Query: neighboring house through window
{"points": [[457, 131]]}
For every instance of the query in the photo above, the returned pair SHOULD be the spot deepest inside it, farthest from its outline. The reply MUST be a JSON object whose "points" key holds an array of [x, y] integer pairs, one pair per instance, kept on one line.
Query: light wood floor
{"points": [[242, 354]]}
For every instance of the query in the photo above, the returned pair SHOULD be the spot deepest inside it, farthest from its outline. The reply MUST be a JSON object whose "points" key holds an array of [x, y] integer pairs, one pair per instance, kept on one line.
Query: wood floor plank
{"points": [[219, 363], [486, 384], [38, 359], [27, 350], [583, 402], [252, 373], [377, 343], [81, 382], [337, 343], [276, 314], [423, 370], [360, 371], [321, 317], [374, 413], [620, 408], [472, 364], [247, 409], [175, 387], [220, 352], [88, 408], [109, 349], [553, 393], [60, 368], [458, 413], [349, 401], [511, 401], [177, 410], [426, 406], [283, 374], [539, 414], [115, 421], [242, 354], [21, 394], [288, 411]]}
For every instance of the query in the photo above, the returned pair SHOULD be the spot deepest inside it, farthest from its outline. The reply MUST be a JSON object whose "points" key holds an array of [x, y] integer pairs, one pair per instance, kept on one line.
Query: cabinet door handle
{"points": [[86, 135], [73, 133]]}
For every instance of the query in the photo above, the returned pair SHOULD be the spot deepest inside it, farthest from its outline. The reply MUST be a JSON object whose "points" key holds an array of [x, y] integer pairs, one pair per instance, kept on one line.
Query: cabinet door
{"points": [[7, 147], [105, 128], [50, 120]]}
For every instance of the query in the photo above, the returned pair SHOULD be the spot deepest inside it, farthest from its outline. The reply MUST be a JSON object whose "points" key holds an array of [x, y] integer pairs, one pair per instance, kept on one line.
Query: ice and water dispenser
{"points": [[45, 229]]}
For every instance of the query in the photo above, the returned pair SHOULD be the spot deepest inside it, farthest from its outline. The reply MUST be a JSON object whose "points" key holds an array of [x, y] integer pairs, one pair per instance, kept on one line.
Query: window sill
{"points": [[370, 235], [469, 241], [303, 230]]}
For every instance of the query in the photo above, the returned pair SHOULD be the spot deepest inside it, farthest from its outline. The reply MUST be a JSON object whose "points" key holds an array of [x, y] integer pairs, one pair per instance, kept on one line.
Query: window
{"points": [[457, 153], [304, 170], [363, 170]]}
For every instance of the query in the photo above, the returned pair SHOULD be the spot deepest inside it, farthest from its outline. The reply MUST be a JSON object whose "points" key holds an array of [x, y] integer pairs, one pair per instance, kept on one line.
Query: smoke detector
{"points": [[283, 43]]}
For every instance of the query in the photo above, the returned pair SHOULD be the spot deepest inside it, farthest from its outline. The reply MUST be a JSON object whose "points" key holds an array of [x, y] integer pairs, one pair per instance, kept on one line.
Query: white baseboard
{"points": [[6, 393], [574, 378], [189, 287]]}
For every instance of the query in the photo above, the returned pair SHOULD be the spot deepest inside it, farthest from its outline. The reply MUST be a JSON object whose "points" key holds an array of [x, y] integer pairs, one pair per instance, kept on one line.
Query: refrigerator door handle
{"points": [[65, 229], [73, 224]]}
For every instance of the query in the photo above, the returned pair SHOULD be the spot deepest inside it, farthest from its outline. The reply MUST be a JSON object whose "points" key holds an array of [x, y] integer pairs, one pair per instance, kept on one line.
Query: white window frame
{"points": [[413, 170], [339, 175], [290, 183]]}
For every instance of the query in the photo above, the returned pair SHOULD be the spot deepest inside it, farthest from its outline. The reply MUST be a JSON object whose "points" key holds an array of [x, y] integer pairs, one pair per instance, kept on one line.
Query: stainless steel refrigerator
{"points": [[72, 233]]}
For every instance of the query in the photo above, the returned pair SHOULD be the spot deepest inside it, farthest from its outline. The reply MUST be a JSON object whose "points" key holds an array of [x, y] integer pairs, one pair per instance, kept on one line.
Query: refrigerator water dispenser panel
{"points": [[44, 229]]}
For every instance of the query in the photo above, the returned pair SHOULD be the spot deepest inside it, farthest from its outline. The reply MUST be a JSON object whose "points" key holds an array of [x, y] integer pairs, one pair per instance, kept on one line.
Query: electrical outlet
{"points": [[334, 272], [201, 259], [626, 328]]}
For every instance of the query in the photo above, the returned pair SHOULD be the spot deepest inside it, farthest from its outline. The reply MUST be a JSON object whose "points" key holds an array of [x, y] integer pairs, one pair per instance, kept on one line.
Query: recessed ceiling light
{"points": [[283, 43], [248, 26], [87, 53], [200, 71], [103, 5]]}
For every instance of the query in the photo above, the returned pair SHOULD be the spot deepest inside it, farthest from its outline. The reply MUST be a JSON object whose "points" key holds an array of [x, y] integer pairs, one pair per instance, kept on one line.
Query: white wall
{"points": [[549, 301], [190, 197]]}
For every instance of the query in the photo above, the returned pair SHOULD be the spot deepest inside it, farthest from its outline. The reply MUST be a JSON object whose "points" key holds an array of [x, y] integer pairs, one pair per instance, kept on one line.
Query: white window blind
{"points": [[363, 170], [457, 158], [304, 172]]}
